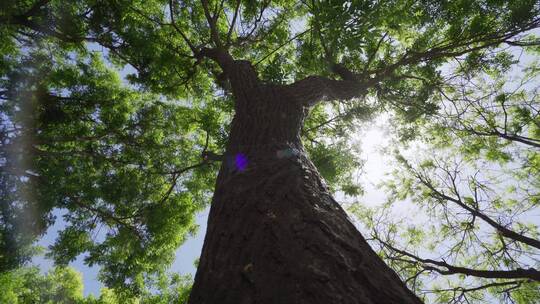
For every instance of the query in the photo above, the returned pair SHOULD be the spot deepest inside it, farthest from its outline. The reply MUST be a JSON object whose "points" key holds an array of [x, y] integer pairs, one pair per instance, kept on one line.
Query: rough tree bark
{"points": [[275, 234]]}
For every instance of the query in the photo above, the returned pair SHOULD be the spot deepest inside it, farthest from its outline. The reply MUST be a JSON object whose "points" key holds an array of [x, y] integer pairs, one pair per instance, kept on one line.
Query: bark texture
{"points": [[275, 234]]}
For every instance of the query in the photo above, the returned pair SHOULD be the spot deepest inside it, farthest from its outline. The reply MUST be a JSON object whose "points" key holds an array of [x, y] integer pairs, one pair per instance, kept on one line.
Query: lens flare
{"points": [[240, 161]]}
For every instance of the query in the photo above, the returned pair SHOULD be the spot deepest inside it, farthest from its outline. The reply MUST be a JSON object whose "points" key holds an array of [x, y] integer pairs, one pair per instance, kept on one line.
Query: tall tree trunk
{"points": [[275, 234]]}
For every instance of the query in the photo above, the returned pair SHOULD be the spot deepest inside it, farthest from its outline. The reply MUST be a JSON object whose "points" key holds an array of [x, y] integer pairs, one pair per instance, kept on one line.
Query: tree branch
{"points": [[500, 228], [179, 31], [518, 273], [233, 23], [281, 46], [214, 33], [313, 89], [451, 50], [316, 88], [108, 216]]}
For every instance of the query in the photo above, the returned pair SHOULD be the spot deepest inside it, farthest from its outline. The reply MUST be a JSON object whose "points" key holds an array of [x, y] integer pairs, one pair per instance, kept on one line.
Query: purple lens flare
{"points": [[241, 162]]}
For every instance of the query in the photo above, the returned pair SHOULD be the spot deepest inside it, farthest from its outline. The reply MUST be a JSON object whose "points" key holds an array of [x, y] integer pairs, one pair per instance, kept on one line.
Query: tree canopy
{"points": [[473, 180], [116, 112]]}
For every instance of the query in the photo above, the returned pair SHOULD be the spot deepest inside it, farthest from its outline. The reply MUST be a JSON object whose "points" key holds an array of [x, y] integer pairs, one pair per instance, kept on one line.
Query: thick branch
{"points": [[490, 285], [313, 89], [535, 42], [221, 57], [511, 137], [241, 73], [518, 273]]}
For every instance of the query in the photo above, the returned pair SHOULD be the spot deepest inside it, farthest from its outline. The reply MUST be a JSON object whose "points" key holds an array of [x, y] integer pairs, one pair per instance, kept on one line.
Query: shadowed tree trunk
{"points": [[275, 234]]}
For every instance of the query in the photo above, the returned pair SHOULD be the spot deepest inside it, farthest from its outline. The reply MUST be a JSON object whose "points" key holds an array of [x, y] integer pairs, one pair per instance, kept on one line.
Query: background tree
{"points": [[126, 156], [64, 285], [27, 285]]}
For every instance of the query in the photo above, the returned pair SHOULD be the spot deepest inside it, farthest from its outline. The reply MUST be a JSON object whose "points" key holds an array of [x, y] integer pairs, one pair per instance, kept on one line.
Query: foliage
{"points": [[27, 285], [107, 106], [112, 157], [472, 177], [64, 285]]}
